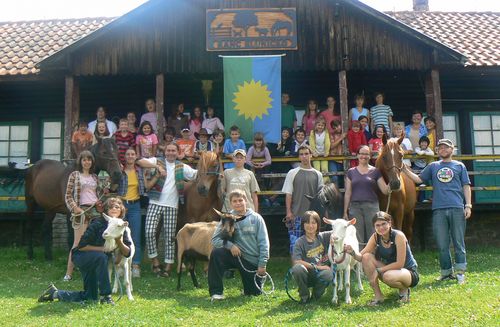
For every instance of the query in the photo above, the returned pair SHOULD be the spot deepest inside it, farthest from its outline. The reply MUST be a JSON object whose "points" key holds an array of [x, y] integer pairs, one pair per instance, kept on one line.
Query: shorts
{"points": [[415, 278]]}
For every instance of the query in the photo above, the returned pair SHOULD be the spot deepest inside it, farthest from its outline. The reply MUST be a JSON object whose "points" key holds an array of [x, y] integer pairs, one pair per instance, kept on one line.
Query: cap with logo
{"points": [[446, 142]]}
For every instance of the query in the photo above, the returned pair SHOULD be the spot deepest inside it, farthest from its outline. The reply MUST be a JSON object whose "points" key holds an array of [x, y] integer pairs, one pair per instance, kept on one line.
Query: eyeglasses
{"points": [[364, 154], [381, 224]]}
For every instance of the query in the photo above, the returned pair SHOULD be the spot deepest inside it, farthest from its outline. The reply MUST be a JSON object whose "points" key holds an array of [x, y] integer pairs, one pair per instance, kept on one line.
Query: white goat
{"points": [[343, 232], [123, 265]]}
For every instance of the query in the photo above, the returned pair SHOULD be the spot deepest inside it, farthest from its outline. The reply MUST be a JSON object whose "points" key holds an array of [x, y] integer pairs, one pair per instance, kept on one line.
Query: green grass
{"points": [[157, 303]]}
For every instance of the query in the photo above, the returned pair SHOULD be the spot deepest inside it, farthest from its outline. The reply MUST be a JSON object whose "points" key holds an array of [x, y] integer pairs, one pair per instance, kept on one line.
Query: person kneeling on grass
{"points": [[90, 258], [387, 257], [247, 250], [310, 259]]}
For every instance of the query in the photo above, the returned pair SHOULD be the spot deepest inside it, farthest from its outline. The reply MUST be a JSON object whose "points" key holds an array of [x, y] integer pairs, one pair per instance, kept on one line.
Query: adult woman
{"points": [[309, 253], [178, 120], [81, 200], [132, 122], [211, 123], [360, 198], [387, 257], [131, 189], [195, 122]]}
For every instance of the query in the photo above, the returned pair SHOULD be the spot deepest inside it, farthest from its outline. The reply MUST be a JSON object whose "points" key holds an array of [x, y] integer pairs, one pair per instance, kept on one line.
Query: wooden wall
{"points": [[169, 37]]}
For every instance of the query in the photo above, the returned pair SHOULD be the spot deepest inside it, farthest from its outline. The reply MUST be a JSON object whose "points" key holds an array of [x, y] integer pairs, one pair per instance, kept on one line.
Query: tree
{"points": [[245, 19]]}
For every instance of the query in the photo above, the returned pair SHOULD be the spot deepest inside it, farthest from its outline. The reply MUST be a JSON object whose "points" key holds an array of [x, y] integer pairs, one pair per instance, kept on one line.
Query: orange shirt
{"points": [[186, 147]]}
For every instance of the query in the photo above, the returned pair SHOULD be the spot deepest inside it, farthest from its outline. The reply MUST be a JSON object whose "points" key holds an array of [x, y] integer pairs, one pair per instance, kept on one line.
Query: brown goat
{"points": [[194, 241]]}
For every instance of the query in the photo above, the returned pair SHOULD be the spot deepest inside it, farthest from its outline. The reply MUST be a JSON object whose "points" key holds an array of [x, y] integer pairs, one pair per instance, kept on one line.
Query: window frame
{"points": [[10, 124], [42, 129]]}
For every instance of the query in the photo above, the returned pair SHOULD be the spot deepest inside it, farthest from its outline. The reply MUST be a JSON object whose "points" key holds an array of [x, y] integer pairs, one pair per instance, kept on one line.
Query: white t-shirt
{"points": [[169, 196], [320, 143]]}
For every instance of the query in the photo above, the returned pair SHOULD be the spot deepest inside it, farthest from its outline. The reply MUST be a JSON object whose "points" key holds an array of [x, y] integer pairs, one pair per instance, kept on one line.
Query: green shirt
{"points": [[287, 115]]}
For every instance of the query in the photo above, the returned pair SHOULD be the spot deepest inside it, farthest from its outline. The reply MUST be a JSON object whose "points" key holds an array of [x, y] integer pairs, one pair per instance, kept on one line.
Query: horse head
{"points": [[208, 172], [390, 161], [327, 200], [105, 152]]}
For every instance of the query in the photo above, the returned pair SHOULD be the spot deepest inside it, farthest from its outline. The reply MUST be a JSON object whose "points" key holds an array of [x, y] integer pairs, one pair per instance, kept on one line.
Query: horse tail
{"points": [[30, 207]]}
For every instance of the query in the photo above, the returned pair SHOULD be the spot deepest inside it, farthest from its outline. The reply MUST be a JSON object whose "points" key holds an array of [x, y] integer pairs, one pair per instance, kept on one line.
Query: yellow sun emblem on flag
{"points": [[252, 100]]}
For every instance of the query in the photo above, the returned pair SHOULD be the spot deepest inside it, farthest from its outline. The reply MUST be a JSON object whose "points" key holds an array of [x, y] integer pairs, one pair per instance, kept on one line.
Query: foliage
{"points": [[157, 303]]}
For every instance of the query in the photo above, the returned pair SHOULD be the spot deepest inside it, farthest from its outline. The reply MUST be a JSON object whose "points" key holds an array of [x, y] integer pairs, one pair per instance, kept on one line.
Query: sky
{"points": [[16, 10]]}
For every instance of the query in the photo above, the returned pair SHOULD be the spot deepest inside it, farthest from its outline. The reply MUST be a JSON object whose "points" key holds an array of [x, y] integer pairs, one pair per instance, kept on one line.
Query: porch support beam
{"points": [[433, 100], [160, 100], [344, 104], [71, 112]]}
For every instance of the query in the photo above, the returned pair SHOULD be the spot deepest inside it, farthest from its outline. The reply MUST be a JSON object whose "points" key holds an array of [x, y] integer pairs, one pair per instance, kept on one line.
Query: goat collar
{"points": [[241, 218], [334, 254]]}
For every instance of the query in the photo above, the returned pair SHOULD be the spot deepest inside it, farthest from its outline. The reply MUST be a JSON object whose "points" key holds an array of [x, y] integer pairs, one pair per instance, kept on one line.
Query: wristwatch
{"points": [[468, 206]]}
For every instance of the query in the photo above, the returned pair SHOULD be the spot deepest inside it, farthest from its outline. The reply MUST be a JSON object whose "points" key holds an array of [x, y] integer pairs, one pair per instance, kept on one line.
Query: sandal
{"points": [[375, 303], [160, 272], [405, 298]]}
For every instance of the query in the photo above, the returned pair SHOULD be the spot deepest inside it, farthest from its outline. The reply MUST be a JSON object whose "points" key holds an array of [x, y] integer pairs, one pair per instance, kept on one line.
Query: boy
{"points": [[124, 139], [355, 139], [419, 164], [241, 179], [300, 140], [186, 145], [249, 248], [202, 144], [381, 114], [232, 144], [81, 139]]}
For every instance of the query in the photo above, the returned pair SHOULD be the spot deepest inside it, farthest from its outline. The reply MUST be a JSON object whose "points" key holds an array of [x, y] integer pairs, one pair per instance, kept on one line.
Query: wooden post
{"points": [[344, 108], [71, 112], [433, 100], [160, 98]]}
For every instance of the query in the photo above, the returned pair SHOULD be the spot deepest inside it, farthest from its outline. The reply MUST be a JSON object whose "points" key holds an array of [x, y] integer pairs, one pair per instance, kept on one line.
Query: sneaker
{"points": [[136, 272], [461, 279], [48, 294], [67, 278], [445, 278], [107, 300], [217, 297]]}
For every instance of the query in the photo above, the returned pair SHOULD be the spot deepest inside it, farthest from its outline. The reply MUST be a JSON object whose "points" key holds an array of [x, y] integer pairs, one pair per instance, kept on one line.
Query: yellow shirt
{"points": [[133, 186]]}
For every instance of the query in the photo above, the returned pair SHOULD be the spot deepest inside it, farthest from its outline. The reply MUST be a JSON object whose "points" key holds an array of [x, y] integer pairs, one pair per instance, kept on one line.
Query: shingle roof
{"points": [[474, 34], [24, 44]]}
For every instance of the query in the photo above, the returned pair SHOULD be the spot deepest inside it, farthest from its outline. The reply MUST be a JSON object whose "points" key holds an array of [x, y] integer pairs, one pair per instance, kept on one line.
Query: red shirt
{"points": [[355, 140], [376, 144]]}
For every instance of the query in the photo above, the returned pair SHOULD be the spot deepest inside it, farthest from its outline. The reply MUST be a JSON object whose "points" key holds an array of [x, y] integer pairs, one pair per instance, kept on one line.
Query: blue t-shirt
{"points": [[448, 179], [230, 147]]}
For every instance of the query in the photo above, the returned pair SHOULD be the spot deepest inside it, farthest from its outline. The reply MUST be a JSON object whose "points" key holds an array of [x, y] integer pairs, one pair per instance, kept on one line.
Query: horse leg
{"points": [[30, 204], [408, 225], [47, 234]]}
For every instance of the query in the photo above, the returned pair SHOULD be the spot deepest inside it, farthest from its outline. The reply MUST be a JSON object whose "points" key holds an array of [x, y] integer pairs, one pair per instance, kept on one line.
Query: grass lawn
{"points": [[477, 303]]}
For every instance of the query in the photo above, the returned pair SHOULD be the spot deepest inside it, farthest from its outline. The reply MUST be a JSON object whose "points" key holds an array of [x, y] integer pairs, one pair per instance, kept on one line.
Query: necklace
{"points": [[386, 242]]}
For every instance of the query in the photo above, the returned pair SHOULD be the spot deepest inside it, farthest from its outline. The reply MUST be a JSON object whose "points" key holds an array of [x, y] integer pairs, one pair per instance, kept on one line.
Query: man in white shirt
{"points": [[101, 116]]}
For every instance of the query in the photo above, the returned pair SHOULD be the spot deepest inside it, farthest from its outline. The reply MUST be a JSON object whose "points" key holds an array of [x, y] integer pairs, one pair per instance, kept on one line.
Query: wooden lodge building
{"points": [[52, 73]]}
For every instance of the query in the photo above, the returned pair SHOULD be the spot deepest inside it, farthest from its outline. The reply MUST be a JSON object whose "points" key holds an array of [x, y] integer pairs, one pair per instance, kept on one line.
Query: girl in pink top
{"points": [[310, 116], [146, 142], [195, 122], [329, 114], [211, 123]]}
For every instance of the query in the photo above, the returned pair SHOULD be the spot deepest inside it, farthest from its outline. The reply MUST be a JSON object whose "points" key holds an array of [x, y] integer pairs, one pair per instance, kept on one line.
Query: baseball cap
{"points": [[239, 151], [446, 142], [185, 130]]}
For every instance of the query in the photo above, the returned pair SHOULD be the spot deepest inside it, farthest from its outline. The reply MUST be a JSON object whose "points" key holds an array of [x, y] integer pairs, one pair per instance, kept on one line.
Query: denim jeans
{"points": [[135, 223], [445, 223], [94, 268], [363, 211]]}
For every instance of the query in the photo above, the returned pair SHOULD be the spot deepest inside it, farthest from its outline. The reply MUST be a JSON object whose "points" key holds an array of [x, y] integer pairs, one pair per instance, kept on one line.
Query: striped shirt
{"points": [[380, 115], [124, 143]]}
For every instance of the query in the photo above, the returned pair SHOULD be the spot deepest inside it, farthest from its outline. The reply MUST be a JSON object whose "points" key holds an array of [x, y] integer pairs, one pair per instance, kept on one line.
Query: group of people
{"points": [[156, 170]]}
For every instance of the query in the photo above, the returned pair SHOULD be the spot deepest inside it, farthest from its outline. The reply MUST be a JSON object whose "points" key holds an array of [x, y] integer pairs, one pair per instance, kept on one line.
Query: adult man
{"points": [[288, 118], [164, 190], [451, 188], [241, 179], [299, 182], [101, 116], [416, 129], [248, 249]]}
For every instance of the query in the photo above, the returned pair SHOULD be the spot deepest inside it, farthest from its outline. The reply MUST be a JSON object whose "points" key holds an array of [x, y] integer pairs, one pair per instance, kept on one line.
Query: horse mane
{"points": [[206, 160]]}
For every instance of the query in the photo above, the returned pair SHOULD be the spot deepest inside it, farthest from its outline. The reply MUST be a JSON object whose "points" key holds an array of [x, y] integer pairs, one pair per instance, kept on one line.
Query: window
{"points": [[14, 142], [450, 130], [486, 129], [52, 140]]}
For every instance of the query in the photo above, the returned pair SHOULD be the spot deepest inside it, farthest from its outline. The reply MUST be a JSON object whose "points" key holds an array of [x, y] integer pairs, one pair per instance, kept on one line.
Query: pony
{"points": [[46, 183], [328, 202], [404, 195], [203, 193]]}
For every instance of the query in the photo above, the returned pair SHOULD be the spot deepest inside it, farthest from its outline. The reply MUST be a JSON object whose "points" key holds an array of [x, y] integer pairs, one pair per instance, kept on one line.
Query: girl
{"points": [[146, 142], [101, 131], [284, 147], [319, 140], [309, 253], [310, 116], [92, 262], [151, 115], [132, 121], [387, 257], [168, 138], [430, 124], [259, 150], [211, 123], [359, 110], [195, 122], [355, 139], [330, 114], [218, 138], [336, 149], [81, 200], [178, 120], [406, 144], [375, 142]]}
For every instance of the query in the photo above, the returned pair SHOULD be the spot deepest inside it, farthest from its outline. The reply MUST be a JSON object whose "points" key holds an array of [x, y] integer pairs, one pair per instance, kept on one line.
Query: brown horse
{"points": [[46, 184], [202, 194], [404, 195]]}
